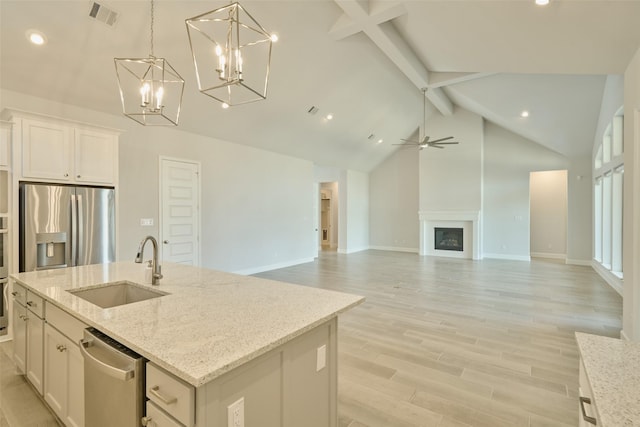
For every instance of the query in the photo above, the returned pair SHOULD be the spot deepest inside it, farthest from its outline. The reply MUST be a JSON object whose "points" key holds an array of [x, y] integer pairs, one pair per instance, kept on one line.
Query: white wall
{"points": [[631, 263], [579, 212], [451, 179], [548, 200], [257, 206], [508, 161], [393, 198], [357, 200]]}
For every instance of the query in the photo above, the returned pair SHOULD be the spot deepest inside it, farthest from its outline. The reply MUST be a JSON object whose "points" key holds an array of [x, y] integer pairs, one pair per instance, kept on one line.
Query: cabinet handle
{"points": [[23, 317], [14, 293], [78, 176], [166, 242], [146, 420], [66, 175], [587, 418], [167, 400], [61, 348], [31, 304]]}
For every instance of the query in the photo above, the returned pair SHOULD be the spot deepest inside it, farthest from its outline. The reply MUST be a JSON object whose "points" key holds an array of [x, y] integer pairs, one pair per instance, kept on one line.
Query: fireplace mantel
{"points": [[468, 220]]}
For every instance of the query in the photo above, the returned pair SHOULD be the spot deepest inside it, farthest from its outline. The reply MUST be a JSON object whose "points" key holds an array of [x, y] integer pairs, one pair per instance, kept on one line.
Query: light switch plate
{"points": [[146, 222], [235, 413], [321, 359]]}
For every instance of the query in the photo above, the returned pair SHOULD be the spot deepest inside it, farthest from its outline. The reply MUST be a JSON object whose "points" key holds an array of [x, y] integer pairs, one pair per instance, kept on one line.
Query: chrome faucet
{"points": [[156, 275]]}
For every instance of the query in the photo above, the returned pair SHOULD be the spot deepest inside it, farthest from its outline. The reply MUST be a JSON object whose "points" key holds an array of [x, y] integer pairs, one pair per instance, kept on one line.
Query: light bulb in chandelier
{"points": [[151, 101]]}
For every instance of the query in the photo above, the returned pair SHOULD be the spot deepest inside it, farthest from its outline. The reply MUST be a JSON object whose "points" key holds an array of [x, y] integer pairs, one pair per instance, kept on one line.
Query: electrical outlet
{"points": [[235, 413], [321, 359]]}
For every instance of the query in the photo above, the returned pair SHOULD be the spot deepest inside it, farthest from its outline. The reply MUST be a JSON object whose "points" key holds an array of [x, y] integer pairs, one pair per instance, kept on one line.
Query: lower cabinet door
{"points": [[156, 417], [75, 392], [55, 371], [35, 332], [19, 321]]}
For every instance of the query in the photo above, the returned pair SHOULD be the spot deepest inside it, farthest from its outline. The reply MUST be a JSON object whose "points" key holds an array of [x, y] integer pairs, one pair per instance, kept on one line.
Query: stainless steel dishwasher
{"points": [[113, 382]]}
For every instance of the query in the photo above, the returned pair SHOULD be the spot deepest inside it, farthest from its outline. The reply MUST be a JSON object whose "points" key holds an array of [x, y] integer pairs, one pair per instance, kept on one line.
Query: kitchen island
{"points": [[221, 334]]}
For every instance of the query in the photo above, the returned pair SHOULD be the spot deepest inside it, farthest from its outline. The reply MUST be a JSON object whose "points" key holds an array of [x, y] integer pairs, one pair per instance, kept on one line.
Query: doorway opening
{"points": [[328, 218]]}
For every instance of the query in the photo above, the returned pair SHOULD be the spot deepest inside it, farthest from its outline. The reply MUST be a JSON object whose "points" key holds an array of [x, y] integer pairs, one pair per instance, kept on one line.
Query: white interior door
{"points": [[180, 211]]}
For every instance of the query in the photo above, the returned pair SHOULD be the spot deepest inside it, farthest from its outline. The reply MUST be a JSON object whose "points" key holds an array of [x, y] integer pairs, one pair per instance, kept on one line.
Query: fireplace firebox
{"points": [[448, 239]]}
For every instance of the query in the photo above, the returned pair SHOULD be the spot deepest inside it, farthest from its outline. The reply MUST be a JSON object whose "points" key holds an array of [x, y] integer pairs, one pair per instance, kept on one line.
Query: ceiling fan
{"points": [[426, 142]]}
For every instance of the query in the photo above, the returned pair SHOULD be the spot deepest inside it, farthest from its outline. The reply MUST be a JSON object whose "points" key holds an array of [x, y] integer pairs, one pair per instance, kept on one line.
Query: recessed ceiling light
{"points": [[525, 113], [380, 141], [225, 105], [36, 37], [542, 2], [329, 116]]}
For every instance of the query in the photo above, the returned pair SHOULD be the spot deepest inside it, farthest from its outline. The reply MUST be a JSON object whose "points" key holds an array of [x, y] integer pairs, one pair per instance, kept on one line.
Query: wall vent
{"points": [[312, 110], [103, 14]]}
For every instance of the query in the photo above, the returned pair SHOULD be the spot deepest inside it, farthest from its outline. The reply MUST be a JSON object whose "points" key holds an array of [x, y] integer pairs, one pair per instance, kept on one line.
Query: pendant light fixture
{"points": [[231, 54], [150, 88]]}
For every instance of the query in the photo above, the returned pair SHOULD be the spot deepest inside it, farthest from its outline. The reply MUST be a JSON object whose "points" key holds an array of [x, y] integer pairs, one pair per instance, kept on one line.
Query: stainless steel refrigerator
{"points": [[65, 226]]}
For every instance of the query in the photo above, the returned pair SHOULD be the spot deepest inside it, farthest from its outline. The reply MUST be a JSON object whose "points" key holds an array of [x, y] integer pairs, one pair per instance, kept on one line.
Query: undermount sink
{"points": [[115, 294]]}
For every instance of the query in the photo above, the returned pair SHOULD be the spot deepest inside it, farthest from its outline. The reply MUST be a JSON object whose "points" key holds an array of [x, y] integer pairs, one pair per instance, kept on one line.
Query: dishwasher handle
{"points": [[120, 374]]}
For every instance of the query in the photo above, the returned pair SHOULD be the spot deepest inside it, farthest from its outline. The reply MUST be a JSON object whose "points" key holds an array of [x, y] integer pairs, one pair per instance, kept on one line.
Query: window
{"points": [[608, 187]]}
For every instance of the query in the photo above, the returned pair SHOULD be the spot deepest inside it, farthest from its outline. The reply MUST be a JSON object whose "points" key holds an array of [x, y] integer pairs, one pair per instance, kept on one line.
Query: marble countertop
{"points": [[210, 323], [612, 367]]}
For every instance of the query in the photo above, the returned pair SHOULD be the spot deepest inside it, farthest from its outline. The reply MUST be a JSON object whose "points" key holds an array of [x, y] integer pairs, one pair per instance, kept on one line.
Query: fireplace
{"points": [[448, 239], [467, 224]]}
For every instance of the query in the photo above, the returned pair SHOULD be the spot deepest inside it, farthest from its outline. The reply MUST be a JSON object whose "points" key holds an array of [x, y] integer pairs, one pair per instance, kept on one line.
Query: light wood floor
{"points": [[447, 342], [439, 342]]}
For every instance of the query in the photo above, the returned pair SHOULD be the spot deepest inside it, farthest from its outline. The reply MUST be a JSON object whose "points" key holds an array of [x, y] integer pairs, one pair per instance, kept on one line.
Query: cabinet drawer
{"points": [[157, 418], [19, 293], [65, 323], [35, 304], [171, 394]]}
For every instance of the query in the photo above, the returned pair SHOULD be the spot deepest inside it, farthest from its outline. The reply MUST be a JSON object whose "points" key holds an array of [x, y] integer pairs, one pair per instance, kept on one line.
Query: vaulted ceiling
{"points": [[362, 61]]}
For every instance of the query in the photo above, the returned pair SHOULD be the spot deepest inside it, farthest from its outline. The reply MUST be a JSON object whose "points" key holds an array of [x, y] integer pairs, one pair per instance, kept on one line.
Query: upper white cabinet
{"points": [[46, 150], [5, 144], [59, 151]]}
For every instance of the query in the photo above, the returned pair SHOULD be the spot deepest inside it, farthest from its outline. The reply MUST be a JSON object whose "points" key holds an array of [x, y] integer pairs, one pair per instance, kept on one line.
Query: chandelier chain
{"points": [[152, 28]]}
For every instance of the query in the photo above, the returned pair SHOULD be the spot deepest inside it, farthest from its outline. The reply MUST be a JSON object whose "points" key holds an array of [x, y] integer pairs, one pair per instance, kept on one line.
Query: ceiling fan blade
{"points": [[444, 143], [437, 146], [441, 139], [410, 140], [425, 140]]}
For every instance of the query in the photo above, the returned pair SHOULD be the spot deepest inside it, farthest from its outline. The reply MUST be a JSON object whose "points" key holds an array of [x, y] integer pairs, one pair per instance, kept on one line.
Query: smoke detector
{"points": [[103, 14]]}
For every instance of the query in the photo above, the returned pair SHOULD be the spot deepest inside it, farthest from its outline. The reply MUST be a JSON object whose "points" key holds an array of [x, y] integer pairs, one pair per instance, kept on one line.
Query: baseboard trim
{"points": [[611, 279], [350, 251], [508, 257], [394, 249], [285, 264], [582, 262], [548, 255]]}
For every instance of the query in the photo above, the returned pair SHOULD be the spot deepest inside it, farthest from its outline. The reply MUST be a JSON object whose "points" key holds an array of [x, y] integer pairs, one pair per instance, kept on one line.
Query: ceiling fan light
{"points": [[542, 2]]}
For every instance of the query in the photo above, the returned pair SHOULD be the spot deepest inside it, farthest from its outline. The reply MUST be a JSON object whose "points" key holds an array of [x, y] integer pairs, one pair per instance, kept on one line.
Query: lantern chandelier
{"points": [[150, 88], [231, 54]]}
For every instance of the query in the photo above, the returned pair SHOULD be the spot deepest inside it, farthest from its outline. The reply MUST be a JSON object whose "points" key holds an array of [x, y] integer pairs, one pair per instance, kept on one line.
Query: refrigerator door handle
{"points": [[74, 231], [80, 233]]}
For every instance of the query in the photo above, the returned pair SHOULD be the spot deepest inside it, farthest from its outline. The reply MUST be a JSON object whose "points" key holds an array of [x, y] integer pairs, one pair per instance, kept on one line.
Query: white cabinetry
{"points": [[171, 395], [35, 336], [46, 149], [587, 415], [19, 321], [28, 334], [64, 367], [5, 144], [59, 151]]}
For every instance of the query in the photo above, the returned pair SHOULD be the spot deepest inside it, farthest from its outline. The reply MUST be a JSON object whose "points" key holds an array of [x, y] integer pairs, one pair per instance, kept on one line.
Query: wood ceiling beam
{"points": [[375, 23]]}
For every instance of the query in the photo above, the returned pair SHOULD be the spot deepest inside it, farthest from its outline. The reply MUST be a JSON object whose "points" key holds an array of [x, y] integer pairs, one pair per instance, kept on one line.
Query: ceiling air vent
{"points": [[103, 14], [312, 110]]}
